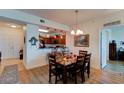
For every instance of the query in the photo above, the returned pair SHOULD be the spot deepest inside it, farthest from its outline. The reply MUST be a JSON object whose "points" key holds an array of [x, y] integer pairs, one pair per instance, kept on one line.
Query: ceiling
{"points": [[67, 16], [10, 25], [8, 20]]}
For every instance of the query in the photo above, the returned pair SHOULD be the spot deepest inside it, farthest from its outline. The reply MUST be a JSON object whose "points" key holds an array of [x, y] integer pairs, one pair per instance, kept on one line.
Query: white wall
{"points": [[93, 27], [11, 41], [93, 48], [35, 57]]}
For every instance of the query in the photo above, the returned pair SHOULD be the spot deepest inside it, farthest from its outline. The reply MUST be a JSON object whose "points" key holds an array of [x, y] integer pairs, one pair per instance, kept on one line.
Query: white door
{"points": [[11, 48], [8, 47], [11, 41], [103, 48], [14, 45]]}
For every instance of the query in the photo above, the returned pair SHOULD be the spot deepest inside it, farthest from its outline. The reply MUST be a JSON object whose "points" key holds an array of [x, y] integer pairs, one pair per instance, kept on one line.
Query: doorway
{"points": [[112, 48], [11, 42]]}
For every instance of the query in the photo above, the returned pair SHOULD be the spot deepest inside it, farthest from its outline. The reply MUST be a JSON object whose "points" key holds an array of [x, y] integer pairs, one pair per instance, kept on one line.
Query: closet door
{"points": [[11, 47], [14, 43], [6, 46], [11, 41]]}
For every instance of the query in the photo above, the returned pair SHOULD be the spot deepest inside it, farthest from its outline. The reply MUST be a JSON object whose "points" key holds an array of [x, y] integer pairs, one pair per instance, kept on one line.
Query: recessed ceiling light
{"points": [[13, 26], [43, 30]]}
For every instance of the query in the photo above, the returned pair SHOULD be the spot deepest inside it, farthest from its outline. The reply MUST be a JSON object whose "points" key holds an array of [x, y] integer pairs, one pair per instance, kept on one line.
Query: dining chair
{"points": [[0, 56], [82, 52], [81, 67], [77, 68], [85, 66], [54, 68], [87, 63]]}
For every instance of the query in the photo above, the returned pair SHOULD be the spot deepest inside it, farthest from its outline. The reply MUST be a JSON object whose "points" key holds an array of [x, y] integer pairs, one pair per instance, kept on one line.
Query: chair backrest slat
{"points": [[82, 52], [52, 59], [80, 61], [87, 60], [87, 57]]}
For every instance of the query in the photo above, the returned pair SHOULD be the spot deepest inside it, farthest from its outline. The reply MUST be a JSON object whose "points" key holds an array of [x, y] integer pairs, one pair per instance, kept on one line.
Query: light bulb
{"points": [[72, 32], [81, 32], [48, 35], [54, 36], [61, 37], [78, 32]]}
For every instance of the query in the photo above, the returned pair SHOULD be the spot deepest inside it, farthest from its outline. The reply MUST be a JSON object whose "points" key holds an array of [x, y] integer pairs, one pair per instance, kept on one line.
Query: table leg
{"points": [[65, 75]]}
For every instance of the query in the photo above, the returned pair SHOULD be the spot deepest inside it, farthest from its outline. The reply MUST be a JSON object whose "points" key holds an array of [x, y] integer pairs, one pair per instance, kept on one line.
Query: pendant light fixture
{"points": [[76, 31]]}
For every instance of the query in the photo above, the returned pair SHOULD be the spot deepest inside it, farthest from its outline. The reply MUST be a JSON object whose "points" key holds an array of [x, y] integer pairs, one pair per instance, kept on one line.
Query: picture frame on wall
{"points": [[81, 40]]}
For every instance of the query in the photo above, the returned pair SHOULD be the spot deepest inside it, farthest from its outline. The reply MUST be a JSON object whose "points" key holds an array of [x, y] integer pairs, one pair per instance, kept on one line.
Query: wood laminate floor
{"points": [[40, 75]]}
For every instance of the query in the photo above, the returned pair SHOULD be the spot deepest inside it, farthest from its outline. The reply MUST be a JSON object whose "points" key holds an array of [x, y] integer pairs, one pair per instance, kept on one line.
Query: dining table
{"points": [[67, 62]]}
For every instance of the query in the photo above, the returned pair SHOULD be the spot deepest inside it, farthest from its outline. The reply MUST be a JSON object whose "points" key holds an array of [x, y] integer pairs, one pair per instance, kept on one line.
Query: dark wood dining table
{"points": [[65, 64]]}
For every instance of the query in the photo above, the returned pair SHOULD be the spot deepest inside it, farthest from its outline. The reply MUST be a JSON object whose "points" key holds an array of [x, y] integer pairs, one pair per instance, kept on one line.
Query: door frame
{"points": [[100, 41]]}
